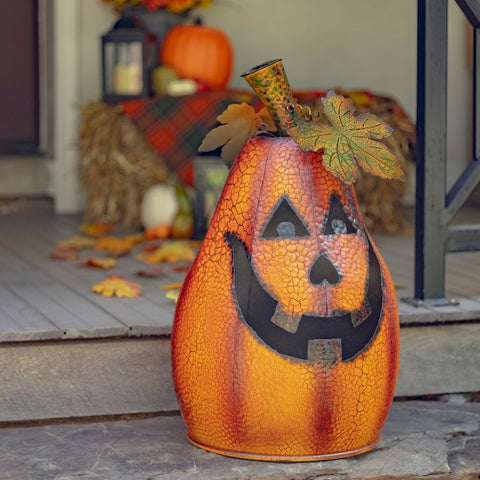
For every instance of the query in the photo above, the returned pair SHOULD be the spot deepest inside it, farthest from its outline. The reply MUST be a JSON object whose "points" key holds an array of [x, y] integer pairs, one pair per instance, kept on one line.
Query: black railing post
{"points": [[476, 92], [430, 224], [435, 209]]}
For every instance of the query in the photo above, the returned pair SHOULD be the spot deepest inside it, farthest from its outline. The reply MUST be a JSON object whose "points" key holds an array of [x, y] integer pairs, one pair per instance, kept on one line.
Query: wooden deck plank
{"points": [[24, 258], [57, 314], [79, 306], [56, 270], [122, 313], [28, 318], [152, 297], [410, 314], [462, 269], [7, 323], [133, 319], [67, 226]]}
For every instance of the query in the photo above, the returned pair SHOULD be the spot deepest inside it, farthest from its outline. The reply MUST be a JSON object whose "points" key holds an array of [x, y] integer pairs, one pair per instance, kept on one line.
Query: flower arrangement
{"points": [[178, 6]]}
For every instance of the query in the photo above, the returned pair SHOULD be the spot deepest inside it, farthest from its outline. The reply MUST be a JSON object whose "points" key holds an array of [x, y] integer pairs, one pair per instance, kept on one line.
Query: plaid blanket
{"points": [[176, 126]]}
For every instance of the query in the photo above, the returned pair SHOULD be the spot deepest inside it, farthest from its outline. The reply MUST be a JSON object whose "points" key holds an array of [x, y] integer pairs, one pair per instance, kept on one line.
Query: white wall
{"points": [[352, 44], [324, 43], [96, 18], [460, 98]]}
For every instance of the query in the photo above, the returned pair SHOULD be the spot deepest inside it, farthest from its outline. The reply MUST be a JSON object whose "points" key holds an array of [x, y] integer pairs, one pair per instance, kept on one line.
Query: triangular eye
{"points": [[337, 219], [284, 222]]}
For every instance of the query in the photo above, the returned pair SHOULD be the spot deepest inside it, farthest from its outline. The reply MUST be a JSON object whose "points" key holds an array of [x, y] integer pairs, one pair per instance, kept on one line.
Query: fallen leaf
{"points": [[69, 253], [103, 262], [117, 286], [349, 142], [170, 252], [118, 246], [96, 229], [173, 295], [180, 268], [151, 248], [240, 122], [172, 286], [134, 239], [152, 272], [76, 242]]}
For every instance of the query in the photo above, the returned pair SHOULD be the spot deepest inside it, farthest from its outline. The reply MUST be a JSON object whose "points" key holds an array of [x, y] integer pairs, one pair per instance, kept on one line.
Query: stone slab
{"points": [[435, 440]]}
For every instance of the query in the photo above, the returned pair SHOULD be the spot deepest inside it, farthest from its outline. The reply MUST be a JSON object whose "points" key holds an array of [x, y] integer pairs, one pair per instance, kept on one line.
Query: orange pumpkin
{"points": [[199, 53], [285, 341]]}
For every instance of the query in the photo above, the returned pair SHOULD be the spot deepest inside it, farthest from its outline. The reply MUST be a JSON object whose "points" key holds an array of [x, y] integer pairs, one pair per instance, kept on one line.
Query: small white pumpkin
{"points": [[159, 206]]}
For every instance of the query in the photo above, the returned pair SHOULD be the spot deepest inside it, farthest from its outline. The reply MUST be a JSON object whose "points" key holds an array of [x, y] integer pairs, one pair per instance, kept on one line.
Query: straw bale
{"points": [[117, 165]]}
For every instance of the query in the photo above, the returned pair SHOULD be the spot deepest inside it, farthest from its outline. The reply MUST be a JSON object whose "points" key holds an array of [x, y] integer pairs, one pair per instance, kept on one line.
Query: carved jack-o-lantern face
{"points": [[310, 288]]}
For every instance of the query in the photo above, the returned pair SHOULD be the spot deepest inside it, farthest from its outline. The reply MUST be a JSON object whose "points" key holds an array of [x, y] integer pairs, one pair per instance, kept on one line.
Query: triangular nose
{"points": [[323, 269]]}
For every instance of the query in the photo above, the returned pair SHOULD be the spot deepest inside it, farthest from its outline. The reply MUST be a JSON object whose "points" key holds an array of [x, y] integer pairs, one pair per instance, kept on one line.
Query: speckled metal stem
{"points": [[270, 83]]}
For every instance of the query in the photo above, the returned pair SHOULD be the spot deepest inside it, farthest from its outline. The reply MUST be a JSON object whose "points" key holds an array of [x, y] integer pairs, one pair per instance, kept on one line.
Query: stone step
{"points": [[421, 440], [63, 379]]}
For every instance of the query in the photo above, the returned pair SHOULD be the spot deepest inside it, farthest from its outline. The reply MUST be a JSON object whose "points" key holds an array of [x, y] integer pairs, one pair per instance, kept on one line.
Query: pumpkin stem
{"points": [[270, 83]]}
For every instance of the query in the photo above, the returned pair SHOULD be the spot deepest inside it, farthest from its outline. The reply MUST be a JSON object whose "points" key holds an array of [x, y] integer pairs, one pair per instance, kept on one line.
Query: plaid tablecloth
{"points": [[176, 126]]}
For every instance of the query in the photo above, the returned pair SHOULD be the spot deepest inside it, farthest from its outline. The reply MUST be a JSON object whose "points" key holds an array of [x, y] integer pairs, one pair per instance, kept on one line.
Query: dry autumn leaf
{"points": [[97, 229], [170, 252], [118, 246], [172, 286], [349, 142], [69, 253], [240, 122], [155, 272], [151, 248], [173, 295], [114, 246], [76, 242], [117, 286], [103, 262], [180, 269], [134, 239]]}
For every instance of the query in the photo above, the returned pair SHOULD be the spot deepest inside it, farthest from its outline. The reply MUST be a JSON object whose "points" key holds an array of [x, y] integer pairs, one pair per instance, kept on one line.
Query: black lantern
{"points": [[126, 52]]}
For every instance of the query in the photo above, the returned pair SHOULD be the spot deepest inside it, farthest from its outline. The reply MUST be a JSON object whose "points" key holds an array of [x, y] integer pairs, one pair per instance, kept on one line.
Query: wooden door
{"points": [[19, 92]]}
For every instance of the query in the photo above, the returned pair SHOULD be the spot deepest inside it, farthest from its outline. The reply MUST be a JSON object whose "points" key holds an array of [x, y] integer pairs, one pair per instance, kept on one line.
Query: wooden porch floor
{"points": [[42, 299]]}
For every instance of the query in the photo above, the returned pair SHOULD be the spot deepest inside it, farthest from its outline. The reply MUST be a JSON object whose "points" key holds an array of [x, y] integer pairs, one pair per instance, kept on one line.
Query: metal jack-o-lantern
{"points": [[126, 55], [285, 343]]}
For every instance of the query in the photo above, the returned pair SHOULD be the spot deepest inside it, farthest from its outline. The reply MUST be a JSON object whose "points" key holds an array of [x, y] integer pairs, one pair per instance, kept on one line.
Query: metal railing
{"points": [[435, 207]]}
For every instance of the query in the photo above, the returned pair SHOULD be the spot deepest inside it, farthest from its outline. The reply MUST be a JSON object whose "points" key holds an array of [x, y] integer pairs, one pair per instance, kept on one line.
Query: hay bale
{"points": [[117, 165]]}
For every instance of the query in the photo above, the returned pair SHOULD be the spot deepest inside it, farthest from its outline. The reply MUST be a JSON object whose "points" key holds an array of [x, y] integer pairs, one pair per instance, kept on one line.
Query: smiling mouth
{"points": [[312, 338]]}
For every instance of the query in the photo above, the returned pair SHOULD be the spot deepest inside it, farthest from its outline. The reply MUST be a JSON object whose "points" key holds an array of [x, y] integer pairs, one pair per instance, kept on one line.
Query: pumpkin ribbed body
{"points": [[199, 53], [265, 354]]}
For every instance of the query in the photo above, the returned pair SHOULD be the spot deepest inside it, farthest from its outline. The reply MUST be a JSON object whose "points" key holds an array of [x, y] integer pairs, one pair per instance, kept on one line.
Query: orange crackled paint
{"points": [[285, 344]]}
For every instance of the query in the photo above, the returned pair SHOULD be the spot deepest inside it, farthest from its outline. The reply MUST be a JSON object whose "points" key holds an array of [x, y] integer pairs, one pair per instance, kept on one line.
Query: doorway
{"points": [[26, 97], [19, 82]]}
